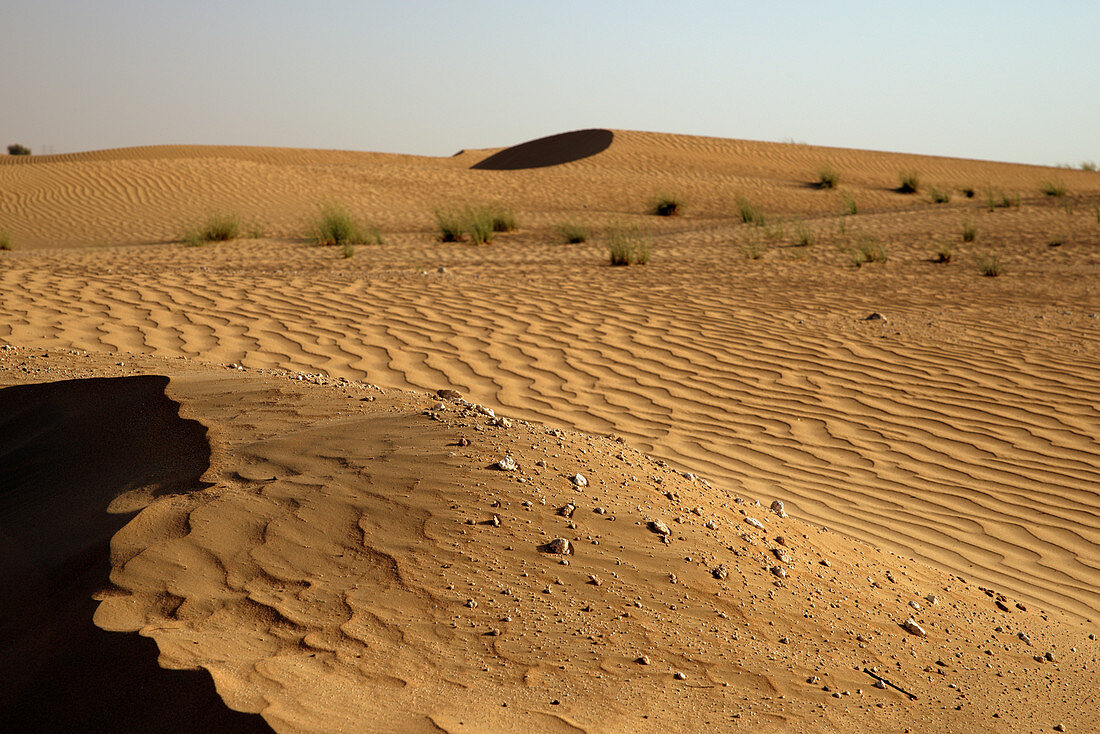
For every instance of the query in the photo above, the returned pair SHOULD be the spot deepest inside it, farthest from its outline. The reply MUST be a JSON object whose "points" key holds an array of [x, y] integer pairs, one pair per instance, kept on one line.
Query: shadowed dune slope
{"points": [[77, 459], [549, 151]]}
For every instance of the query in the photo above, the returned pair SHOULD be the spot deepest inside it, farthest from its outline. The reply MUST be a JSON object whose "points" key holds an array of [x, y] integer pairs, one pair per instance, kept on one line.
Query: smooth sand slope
{"points": [[961, 430]]}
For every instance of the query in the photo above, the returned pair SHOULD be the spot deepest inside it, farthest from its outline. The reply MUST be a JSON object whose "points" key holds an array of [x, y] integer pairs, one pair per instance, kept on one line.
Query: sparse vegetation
{"points": [[869, 250], [666, 205], [255, 232], [347, 249], [967, 191], [1053, 188], [451, 224], [1002, 200], [627, 245], [5, 240], [803, 237], [939, 196], [504, 219], [1056, 241], [908, 182], [774, 233], [848, 204], [752, 250], [989, 266], [17, 149], [481, 224], [1089, 166], [749, 213], [943, 253], [216, 228], [827, 177], [572, 232], [335, 226], [970, 232]]}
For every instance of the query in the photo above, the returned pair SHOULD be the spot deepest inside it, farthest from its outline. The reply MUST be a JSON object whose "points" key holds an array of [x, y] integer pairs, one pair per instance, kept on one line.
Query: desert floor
{"points": [[237, 451]]}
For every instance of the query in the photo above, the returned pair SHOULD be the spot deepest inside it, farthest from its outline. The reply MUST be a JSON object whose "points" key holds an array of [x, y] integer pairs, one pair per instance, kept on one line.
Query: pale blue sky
{"points": [[1002, 80]]}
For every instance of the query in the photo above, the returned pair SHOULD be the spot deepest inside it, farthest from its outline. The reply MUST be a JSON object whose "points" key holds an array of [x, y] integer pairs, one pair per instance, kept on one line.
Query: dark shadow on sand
{"points": [[67, 449], [550, 151]]}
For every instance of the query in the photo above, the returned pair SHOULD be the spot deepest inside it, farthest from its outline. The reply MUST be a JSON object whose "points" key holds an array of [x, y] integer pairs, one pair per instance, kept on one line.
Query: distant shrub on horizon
{"points": [[17, 149]]}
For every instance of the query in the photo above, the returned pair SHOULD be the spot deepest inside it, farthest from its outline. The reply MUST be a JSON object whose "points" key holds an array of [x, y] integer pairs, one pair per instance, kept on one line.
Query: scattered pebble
{"points": [[507, 464], [755, 523], [777, 508], [659, 527], [913, 628], [560, 546], [579, 480]]}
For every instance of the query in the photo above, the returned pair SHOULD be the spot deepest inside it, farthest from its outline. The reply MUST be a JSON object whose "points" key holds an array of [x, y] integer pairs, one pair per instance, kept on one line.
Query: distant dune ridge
{"points": [[341, 557]]}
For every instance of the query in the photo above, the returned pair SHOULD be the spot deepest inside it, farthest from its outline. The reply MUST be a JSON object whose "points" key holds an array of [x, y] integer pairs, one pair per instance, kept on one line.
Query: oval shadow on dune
{"points": [[550, 151], [67, 451]]}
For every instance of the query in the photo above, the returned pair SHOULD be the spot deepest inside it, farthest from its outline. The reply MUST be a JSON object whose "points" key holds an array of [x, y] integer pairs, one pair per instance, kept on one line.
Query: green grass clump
{"points": [[989, 266], [1002, 200], [908, 182], [504, 219], [334, 225], [803, 237], [572, 232], [848, 205], [943, 253], [970, 232], [1053, 188], [749, 213], [827, 177], [5, 240], [869, 250], [481, 224], [666, 205], [451, 224], [939, 196], [627, 245], [216, 228]]}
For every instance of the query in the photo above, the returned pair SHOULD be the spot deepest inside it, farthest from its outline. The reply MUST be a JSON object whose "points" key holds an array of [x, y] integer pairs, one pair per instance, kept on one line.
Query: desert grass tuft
{"points": [[5, 240], [749, 213], [943, 253], [869, 250], [970, 232], [827, 177], [803, 237], [1053, 188], [572, 232], [480, 223], [989, 266], [908, 182], [848, 205], [334, 225], [1089, 166], [504, 219], [752, 250], [666, 205], [216, 228], [939, 196], [451, 224], [626, 245], [967, 191]]}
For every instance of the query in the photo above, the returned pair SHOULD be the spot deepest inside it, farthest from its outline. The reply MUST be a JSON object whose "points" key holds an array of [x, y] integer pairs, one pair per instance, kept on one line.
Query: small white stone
{"points": [[579, 480], [755, 523], [913, 628], [507, 464]]}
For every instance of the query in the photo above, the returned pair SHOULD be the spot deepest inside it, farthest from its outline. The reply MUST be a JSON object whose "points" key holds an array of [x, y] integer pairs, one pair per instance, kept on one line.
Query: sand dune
{"points": [[961, 431]]}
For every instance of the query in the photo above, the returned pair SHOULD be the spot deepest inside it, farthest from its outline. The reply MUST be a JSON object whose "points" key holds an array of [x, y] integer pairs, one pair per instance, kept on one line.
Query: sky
{"points": [[1005, 80]]}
